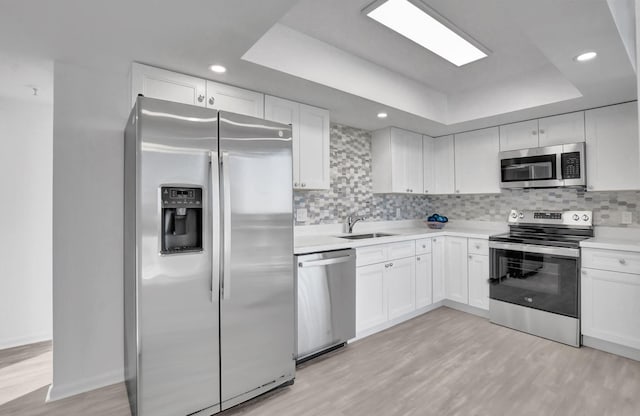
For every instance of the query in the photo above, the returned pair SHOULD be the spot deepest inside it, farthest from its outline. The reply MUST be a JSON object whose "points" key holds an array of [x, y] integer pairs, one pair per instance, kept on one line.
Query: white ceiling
{"points": [[530, 72]]}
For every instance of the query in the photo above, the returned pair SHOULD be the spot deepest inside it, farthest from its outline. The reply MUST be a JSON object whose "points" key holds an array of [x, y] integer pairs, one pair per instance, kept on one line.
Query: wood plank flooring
{"points": [[445, 362]]}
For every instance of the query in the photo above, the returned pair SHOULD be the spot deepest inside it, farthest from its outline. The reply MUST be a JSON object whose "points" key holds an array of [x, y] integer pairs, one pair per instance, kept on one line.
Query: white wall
{"points": [[26, 132], [90, 111]]}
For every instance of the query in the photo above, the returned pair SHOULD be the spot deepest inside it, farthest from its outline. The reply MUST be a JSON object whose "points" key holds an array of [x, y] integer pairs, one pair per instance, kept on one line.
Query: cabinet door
{"points": [[423, 280], [236, 100], [610, 307], [456, 272], [428, 174], [443, 162], [438, 268], [314, 148], [479, 281], [400, 282], [612, 154], [477, 164], [166, 85], [561, 129], [287, 112], [519, 135], [371, 297], [406, 161]]}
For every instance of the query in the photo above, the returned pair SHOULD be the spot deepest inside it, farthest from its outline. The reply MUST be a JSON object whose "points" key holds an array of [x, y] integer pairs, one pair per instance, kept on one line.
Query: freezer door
{"points": [[257, 293], [178, 316]]}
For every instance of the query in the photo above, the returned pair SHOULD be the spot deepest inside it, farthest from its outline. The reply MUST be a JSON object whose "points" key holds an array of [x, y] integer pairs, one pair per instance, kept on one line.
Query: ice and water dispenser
{"points": [[181, 220]]}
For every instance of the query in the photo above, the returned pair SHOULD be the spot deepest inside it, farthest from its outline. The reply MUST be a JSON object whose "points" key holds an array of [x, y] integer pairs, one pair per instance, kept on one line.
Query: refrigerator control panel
{"points": [[181, 197]]}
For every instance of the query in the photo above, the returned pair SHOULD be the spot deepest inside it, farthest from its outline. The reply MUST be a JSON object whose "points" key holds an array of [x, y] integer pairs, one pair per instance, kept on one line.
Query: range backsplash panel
{"points": [[351, 192]]}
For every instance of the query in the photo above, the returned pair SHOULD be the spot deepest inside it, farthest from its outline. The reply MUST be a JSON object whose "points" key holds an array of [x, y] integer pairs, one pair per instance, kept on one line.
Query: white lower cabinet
{"points": [[423, 280], [611, 307], [455, 270], [371, 297], [438, 268], [479, 281], [399, 278]]}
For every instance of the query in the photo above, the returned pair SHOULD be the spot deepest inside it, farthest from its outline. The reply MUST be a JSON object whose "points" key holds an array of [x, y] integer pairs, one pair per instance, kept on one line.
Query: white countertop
{"points": [[325, 238], [614, 238]]}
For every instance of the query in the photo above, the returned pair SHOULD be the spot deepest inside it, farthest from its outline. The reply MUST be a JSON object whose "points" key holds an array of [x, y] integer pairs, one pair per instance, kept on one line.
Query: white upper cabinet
{"points": [[314, 148], [166, 85], [612, 155], [519, 135], [438, 165], [561, 129], [172, 86], [396, 161], [310, 128], [477, 162], [236, 100]]}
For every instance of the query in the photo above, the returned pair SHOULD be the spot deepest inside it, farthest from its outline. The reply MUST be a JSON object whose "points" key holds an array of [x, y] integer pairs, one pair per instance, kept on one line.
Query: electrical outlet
{"points": [[301, 215], [626, 218], [398, 213]]}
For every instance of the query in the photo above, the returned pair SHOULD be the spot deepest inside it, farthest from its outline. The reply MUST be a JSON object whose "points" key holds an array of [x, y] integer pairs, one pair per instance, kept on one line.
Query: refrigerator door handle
{"points": [[226, 213], [215, 225]]}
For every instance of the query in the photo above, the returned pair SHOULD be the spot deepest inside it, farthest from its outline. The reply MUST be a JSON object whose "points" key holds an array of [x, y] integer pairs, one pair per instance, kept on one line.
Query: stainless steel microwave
{"points": [[543, 167]]}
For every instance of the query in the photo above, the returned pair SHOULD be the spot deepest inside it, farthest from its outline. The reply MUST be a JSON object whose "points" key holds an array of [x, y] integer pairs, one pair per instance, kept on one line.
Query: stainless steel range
{"points": [[535, 273]]}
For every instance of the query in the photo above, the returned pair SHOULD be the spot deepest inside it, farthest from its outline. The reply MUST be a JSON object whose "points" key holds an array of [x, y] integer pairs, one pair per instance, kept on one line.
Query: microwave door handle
{"points": [[559, 167]]}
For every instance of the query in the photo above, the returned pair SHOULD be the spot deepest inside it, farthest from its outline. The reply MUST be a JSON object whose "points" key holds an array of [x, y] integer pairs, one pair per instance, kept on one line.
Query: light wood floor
{"points": [[443, 363]]}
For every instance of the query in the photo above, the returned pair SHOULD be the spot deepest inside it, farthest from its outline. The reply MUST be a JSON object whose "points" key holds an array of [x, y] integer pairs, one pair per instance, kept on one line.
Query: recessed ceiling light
{"points": [[587, 56], [419, 25], [382, 115], [218, 69]]}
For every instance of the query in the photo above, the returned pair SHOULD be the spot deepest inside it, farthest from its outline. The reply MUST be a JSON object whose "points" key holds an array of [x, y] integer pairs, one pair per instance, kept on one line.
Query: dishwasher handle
{"points": [[325, 262]]}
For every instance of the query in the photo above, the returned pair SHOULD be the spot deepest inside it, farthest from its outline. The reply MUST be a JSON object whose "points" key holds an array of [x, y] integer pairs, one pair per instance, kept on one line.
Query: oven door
{"points": [[530, 168], [539, 277]]}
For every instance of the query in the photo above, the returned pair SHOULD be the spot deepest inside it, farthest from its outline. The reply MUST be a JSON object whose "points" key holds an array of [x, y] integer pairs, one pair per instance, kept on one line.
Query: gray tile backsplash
{"points": [[351, 192]]}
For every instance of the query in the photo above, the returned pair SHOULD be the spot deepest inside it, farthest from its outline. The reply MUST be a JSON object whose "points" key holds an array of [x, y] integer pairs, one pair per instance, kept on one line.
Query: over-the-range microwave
{"points": [[543, 167]]}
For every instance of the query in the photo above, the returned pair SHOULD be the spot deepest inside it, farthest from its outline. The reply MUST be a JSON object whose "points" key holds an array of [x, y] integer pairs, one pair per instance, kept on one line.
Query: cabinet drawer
{"points": [[371, 254], [617, 261], [478, 246], [401, 250], [423, 246]]}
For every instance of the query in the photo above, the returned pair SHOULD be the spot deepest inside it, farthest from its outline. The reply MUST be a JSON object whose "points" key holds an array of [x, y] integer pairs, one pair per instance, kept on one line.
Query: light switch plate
{"points": [[626, 218], [301, 215]]}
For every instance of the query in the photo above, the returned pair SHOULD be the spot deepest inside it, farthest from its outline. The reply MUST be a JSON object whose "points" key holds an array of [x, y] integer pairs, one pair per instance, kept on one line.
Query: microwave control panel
{"points": [[570, 165]]}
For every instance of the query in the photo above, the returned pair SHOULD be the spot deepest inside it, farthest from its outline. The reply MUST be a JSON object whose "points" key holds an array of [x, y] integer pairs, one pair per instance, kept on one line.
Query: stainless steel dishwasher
{"points": [[326, 301]]}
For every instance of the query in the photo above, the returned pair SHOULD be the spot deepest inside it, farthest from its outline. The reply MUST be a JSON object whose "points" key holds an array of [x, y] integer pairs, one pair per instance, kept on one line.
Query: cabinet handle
{"points": [[470, 256], [457, 191], [477, 246], [418, 258], [590, 186], [434, 240], [211, 100], [304, 185], [426, 191], [534, 132], [541, 131], [622, 261], [200, 98], [584, 272], [424, 246], [295, 184], [390, 264]]}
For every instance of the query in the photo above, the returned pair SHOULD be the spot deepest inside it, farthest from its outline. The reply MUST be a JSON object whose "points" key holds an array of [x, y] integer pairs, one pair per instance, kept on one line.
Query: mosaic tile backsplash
{"points": [[351, 192]]}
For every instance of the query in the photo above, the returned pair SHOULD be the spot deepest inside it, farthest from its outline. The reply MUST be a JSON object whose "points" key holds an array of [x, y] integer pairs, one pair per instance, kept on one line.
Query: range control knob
{"points": [[585, 217], [514, 215], [521, 215], [576, 217]]}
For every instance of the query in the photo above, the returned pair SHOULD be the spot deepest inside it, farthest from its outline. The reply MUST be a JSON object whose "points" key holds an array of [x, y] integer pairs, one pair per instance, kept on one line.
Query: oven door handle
{"points": [[532, 248]]}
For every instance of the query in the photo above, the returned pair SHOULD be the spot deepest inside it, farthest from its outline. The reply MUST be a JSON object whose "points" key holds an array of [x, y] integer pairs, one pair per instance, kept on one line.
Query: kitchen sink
{"points": [[363, 236]]}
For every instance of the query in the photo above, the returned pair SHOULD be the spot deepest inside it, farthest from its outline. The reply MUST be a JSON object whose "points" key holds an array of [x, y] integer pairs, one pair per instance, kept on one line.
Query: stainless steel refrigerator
{"points": [[208, 258]]}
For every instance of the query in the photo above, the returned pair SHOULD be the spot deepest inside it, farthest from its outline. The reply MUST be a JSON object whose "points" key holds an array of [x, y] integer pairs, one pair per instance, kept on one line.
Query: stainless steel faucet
{"points": [[352, 220]]}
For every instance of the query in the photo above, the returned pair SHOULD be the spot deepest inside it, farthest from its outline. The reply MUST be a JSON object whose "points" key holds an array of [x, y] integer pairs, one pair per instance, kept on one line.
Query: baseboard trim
{"points": [[466, 308], [611, 347], [64, 390], [20, 341], [396, 321]]}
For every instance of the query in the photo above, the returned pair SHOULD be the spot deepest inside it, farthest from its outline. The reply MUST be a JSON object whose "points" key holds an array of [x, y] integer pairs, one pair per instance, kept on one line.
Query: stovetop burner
{"points": [[554, 229]]}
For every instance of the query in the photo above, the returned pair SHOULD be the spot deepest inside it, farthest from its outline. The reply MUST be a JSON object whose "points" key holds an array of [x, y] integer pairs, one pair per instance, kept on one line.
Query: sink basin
{"points": [[362, 236]]}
